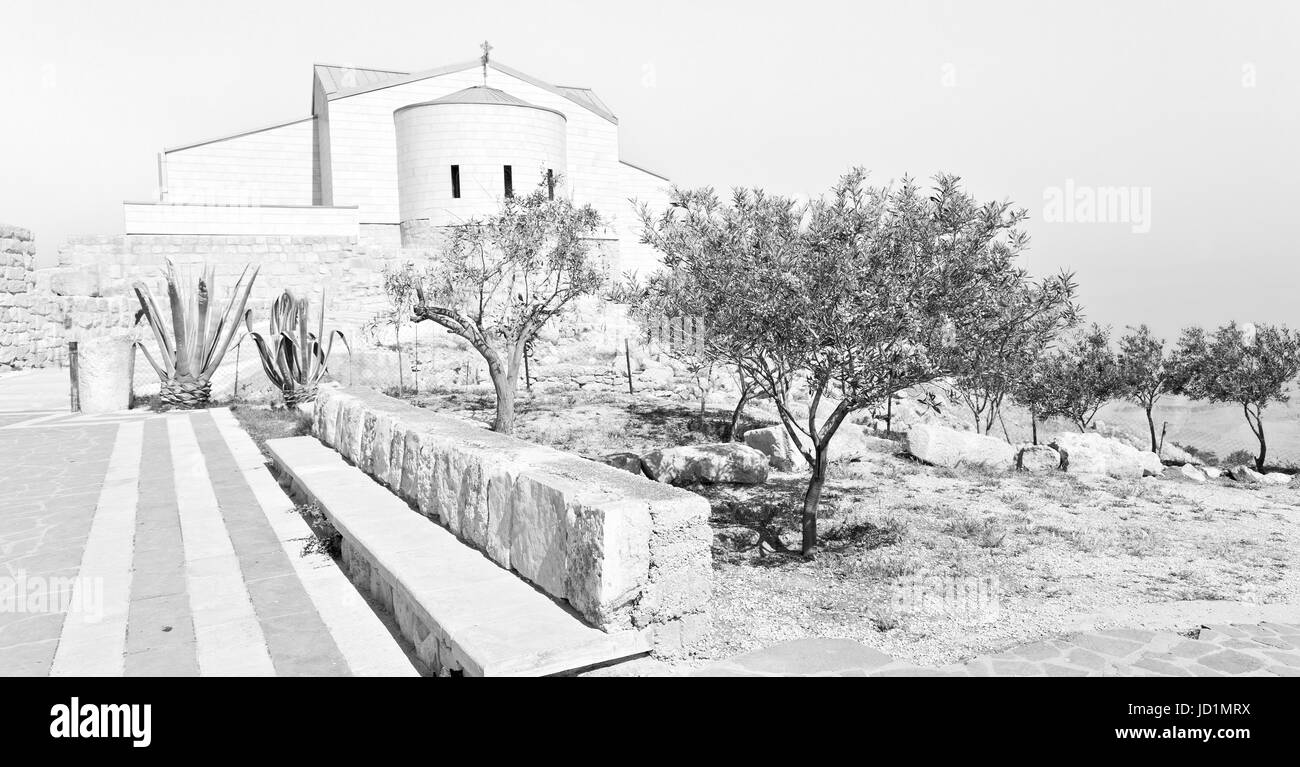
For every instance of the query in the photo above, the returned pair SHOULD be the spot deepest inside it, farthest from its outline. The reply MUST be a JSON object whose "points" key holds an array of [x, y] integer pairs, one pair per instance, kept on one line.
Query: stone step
{"points": [[463, 612]]}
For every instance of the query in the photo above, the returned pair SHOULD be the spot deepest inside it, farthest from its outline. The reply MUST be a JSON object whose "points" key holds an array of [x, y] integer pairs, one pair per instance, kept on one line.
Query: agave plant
{"points": [[191, 349], [294, 359]]}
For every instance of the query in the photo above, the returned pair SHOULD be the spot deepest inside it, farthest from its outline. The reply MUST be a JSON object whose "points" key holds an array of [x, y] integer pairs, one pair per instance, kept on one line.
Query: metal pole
{"points": [[72, 371]]}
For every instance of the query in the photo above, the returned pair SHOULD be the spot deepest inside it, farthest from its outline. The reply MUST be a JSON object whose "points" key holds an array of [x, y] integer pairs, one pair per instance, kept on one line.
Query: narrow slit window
{"points": [[510, 184], [550, 184], [455, 181]]}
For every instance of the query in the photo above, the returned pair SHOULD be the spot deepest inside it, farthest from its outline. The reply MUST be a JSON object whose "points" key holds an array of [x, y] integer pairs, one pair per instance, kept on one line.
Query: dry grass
{"points": [[263, 423]]}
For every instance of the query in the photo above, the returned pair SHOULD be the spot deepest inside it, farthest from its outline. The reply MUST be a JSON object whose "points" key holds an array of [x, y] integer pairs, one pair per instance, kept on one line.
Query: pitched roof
{"points": [[335, 78], [587, 97], [341, 82]]}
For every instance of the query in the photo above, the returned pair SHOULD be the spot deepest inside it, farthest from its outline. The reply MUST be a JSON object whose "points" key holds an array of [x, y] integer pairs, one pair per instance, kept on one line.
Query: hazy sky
{"points": [[1193, 106]]}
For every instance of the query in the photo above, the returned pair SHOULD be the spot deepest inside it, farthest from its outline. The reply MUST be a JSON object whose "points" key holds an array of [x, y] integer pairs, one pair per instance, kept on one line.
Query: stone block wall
{"points": [[89, 294], [624, 552], [30, 331]]}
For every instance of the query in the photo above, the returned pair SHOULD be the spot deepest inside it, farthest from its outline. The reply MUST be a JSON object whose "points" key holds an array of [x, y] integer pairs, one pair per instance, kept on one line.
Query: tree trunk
{"points": [[1033, 425], [735, 414], [1263, 446], [889, 414], [1155, 446], [810, 499], [505, 379], [505, 390]]}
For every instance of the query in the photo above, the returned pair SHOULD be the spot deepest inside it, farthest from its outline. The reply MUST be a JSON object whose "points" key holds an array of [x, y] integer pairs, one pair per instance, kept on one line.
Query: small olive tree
{"points": [[1034, 389], [845, 300], [1080, 378], [1147, 373], [1249, 366], [1002, 346], [498, 280]]}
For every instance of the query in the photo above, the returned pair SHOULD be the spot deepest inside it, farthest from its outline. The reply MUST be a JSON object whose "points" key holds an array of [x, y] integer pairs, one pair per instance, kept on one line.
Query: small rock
{"points": [[1035, 458], [1212, 472], [1189, 471], [1277, 478]]}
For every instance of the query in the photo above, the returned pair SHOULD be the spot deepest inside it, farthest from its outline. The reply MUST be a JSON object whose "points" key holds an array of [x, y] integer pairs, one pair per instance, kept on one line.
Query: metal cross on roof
{"points": [[487, 50]]}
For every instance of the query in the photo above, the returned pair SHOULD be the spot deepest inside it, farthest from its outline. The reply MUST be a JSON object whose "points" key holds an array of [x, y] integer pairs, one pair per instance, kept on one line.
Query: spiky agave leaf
{"points": [[156, 324], [225, 330], [200, 341], [304, 338], [162, 374], [177, 305]]}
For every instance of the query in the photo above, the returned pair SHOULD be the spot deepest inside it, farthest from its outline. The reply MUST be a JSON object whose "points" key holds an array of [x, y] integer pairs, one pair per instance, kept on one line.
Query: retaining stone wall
{"points": [[623, 551]]}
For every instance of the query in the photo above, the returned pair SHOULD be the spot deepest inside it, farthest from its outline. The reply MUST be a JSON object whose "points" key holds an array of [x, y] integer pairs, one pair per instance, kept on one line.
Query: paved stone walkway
{"points": [[1243, 649], [144, 544]]}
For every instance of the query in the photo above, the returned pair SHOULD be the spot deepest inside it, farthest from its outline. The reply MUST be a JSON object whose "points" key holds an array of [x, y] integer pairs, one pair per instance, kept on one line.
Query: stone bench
{"points": [[624, 552], [463, 613]]}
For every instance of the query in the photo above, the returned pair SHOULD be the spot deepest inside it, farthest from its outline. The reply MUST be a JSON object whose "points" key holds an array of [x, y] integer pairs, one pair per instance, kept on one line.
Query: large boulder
{"points": [[725, 462], [1175, 454], [1245, 474], [942, 446], [1277, 478], [1092, 453], [629, 462], [852, 443], [1036, 458], [1188, 471], [774, 442], [849, 443]]}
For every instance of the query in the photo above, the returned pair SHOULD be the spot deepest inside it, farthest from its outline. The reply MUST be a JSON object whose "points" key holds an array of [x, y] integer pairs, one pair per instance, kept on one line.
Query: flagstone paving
{"points": [[159, 544]]}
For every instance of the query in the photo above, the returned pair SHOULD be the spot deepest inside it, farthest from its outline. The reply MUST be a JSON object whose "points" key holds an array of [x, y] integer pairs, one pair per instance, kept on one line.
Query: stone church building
{"points": [[388, 157]]}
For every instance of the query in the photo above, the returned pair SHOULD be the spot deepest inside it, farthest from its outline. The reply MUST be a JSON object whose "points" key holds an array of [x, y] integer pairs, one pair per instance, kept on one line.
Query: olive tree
{"points": [[498, 280], [841, 301], [1034, 390], [1002, 346], [1080, 378], [1250, 366], [1147, 373]]}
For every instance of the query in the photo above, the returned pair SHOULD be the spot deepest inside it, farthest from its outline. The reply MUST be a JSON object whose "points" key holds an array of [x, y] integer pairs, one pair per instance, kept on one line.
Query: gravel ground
{"points": [[934, 566]]}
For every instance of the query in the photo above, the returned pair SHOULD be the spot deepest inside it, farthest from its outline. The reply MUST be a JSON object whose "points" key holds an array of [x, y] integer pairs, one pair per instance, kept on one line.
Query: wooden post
{"points": [[72, 370], [528, 378], [235, 394], [627, 357], [130, 379]]}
